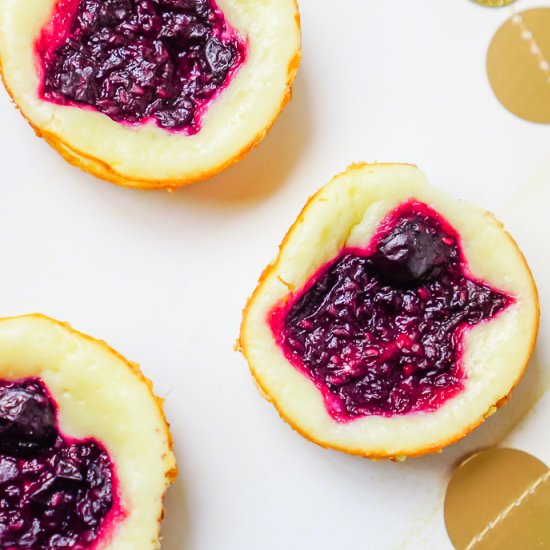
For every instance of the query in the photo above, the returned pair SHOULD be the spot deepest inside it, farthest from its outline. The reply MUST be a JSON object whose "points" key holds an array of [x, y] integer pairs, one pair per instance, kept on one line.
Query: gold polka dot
{"points": [[494, 3], [499, 499], [518, 65]]}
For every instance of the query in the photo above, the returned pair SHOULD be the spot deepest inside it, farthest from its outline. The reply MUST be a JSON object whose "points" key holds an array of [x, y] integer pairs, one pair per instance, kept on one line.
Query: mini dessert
{"points": [[150, 93], [85, 451], [395, 318]]}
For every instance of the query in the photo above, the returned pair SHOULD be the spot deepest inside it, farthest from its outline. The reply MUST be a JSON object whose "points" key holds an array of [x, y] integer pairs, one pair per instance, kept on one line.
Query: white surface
{"points": [[163, 277]]}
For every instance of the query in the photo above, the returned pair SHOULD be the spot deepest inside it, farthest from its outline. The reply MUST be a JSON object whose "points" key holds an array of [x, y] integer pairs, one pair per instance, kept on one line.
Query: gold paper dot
{"points": [[494, 3], [518, 65], [499, 499]]}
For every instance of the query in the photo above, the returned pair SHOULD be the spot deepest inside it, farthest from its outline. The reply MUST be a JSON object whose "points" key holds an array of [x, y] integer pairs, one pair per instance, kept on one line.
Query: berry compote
{"points": [[55, 492], [139, 60], [380, 330]]}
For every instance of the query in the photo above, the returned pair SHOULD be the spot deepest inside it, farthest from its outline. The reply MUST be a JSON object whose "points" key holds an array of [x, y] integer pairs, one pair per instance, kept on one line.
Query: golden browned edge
{"points": [[104, 171], [375, 454], [171, 474]]}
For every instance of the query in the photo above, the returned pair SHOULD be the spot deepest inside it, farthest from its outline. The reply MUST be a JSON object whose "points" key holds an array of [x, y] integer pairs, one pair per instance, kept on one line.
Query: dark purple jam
{"points": [[380, 330], [139, 60], [54, 492]]}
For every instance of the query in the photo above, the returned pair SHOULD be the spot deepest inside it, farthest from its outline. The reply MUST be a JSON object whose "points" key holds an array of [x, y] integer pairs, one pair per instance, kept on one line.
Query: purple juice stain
{"points": [[54, 492], [380, 331], [139, 60]]}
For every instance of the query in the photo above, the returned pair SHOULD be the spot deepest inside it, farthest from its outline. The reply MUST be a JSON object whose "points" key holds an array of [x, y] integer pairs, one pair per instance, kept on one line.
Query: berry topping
{"points": [[54, 492], [380, 330], [139, 60]]}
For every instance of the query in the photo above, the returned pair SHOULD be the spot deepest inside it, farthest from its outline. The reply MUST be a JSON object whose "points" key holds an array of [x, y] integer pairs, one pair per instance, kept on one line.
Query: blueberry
{"points": [[27, 422], [68, 470], [219, 57], [43, 493], [412, 254], [67, 477]]}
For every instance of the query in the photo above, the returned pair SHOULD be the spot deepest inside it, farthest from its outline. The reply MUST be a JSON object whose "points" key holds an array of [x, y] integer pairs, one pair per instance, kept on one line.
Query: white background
{"points": [[163, 277]]}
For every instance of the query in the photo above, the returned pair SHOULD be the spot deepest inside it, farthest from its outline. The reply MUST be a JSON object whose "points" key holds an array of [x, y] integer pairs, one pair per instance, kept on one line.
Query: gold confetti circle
{"points": [[518, 65], [494, 3], [499, 499]]}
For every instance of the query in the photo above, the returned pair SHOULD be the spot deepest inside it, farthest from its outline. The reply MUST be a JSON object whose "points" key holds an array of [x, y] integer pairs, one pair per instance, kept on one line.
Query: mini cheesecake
{"points": [[85, 451], [395, 318], [150, 93]]}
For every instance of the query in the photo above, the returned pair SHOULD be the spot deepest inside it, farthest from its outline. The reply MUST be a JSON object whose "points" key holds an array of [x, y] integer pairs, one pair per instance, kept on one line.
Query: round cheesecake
{"points": [[150, 93], [395, 318], [85, 451]]}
